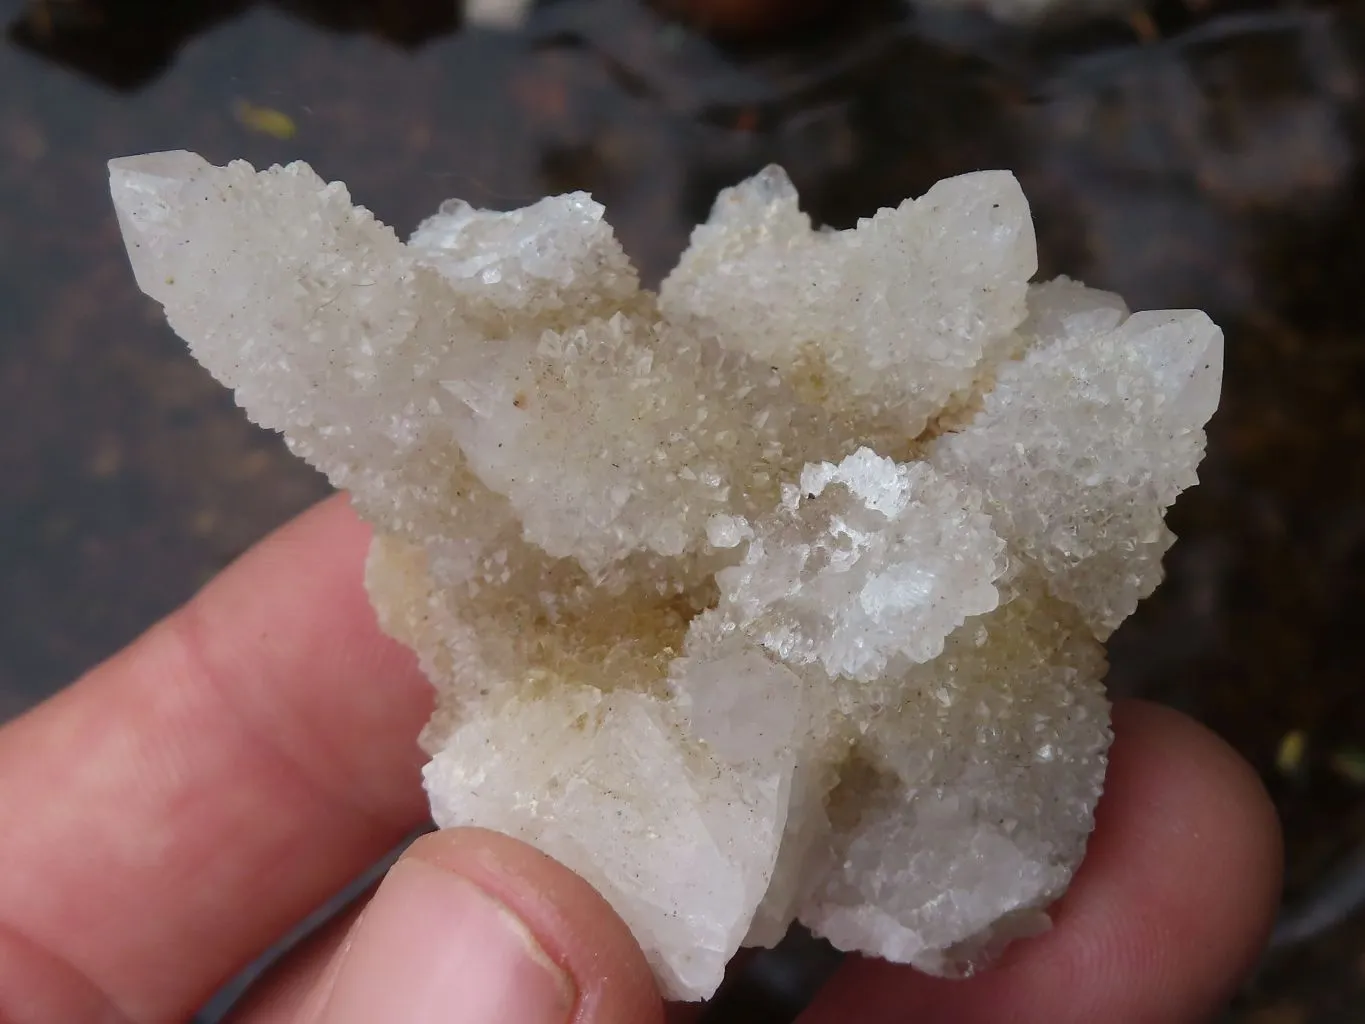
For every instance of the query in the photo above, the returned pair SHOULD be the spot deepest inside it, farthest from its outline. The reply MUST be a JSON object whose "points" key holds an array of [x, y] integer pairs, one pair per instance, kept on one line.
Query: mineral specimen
{"points": [[778, 595]]}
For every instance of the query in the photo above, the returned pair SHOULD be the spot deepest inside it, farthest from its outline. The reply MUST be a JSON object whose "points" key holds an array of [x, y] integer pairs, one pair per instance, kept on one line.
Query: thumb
{"points": [[472, 926]]}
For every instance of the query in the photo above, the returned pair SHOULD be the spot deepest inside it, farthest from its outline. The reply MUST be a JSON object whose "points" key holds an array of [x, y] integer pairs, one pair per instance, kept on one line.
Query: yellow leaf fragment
{"points": [[264, 120], [1289, 755]]}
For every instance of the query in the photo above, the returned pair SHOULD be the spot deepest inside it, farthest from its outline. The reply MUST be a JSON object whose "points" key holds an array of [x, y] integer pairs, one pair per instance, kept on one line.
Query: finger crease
{"points": [[73, 987]]}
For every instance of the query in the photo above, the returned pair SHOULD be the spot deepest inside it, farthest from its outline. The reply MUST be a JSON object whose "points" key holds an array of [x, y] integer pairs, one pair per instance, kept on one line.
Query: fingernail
{"points": [[434, 947]]}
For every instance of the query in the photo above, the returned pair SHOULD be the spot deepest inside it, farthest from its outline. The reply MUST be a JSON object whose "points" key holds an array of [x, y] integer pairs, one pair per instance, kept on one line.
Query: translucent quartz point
{"points": [[778, 595]]}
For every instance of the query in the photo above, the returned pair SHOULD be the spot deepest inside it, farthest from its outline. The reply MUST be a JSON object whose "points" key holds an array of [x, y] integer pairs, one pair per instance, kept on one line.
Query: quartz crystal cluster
{"points": [[776, 595]]}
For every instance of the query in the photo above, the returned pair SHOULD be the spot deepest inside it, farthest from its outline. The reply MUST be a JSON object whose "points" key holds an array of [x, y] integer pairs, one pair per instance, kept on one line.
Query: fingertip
{"points": [[572, 922], [1179, 889], [1169, 910]]}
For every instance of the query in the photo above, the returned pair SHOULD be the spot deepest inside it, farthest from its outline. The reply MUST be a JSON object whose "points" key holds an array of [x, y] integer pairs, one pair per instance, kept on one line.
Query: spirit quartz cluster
{"points": [[777, 595]]}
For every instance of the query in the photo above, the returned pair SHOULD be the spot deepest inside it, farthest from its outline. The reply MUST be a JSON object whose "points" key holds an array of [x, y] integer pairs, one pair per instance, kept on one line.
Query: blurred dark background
{"points": [[1199, 153]]}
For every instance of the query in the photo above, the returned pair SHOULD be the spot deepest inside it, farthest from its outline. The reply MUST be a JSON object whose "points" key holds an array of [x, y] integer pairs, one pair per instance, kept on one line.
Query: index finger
{"points": [[170, 815]]}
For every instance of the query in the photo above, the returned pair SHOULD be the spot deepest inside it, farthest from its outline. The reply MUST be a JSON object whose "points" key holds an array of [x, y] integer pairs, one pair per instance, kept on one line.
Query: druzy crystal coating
{"points": [[776, 595]]}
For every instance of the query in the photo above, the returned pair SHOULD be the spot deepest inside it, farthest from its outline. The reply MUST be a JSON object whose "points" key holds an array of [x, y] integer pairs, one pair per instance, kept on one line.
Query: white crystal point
{"points": [[970, 818], [900, 314], [680, 844], [1084, 443], [774, 596], [211, 240], [557, 256], [325, 326], [146, 191]]}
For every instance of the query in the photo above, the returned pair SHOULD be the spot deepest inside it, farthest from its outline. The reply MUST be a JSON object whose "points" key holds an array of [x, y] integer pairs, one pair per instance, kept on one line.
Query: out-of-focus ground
{"points": [[1215, 163]]}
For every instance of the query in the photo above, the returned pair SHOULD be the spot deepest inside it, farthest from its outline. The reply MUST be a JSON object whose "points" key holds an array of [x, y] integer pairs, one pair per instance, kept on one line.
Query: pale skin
{"points": [[171, 814]]}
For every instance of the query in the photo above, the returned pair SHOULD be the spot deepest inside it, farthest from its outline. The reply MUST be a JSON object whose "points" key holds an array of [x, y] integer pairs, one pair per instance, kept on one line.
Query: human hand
{"points": [[169, 816]]}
